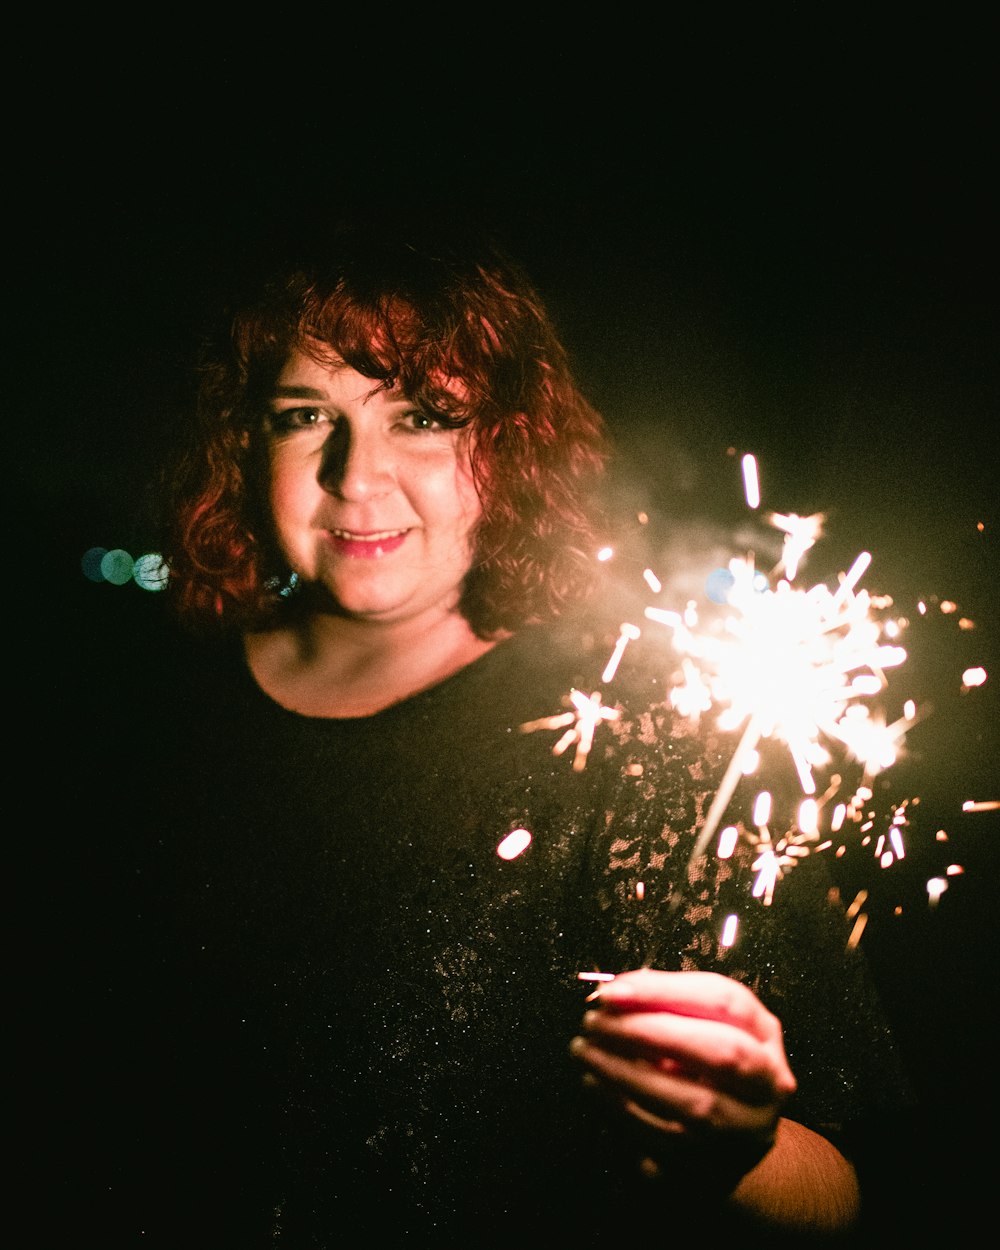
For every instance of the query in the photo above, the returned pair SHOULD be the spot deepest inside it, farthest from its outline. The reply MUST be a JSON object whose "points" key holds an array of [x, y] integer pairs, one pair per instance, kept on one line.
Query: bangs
{"points": [[389, 341]]}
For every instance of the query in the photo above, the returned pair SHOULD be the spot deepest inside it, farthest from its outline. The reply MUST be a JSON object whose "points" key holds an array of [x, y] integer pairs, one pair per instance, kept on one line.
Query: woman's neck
{"points": [[330, 666]]}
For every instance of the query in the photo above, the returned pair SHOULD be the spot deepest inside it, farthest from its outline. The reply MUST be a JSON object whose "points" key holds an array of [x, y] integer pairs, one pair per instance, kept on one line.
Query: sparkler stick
{"points": [[751, 736], [595, 976]]}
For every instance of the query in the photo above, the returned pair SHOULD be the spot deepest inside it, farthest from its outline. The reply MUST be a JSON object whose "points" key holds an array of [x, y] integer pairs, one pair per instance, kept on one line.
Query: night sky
{"points": [[801, 266], [795, 258]]}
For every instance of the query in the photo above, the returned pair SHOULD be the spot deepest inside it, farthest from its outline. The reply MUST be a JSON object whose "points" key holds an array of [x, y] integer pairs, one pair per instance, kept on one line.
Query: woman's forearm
{"points": [[803, 1184]]}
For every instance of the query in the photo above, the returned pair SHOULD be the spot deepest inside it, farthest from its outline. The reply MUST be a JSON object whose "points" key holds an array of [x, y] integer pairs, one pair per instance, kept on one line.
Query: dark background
{"points": [[780, 241]]}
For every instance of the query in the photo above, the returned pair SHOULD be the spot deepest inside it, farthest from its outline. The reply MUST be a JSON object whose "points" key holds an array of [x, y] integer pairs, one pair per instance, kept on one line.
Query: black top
{"points": [[308, 1003]]}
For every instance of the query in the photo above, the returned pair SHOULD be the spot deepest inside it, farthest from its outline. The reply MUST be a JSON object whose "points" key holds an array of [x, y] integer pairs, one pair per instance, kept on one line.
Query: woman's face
{"points": [[371, 497]]}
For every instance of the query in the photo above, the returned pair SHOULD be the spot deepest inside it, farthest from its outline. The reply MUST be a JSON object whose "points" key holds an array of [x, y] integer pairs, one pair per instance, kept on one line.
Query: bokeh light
{"points": [[117, 568], [117, 565], [150, 571], [91, 563]]}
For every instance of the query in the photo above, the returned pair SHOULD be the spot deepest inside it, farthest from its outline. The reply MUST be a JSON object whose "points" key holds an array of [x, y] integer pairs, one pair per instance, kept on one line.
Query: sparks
{"points": [[786, 669], [580, 725], [751, 481], [801, 533], [514, 843], [627, 633], [790, 665]]}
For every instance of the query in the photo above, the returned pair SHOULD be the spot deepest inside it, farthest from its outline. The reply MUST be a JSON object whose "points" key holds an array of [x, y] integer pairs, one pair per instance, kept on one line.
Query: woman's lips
{"points": [[366, 546]]}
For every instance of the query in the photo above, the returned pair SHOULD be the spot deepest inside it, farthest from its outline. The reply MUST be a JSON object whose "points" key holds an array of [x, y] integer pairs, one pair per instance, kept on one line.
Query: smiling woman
{"points": [[332, 974], [374, 508], [400, 457], [361, 476]]}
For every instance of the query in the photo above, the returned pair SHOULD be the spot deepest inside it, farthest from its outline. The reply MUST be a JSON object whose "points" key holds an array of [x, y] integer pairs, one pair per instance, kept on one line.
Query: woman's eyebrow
{"points": [[299, 392], [312, 392]]}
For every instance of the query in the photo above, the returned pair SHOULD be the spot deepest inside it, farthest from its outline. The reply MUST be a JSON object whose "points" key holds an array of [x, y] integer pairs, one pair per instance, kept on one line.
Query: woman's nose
{"points": [[355, 463]]}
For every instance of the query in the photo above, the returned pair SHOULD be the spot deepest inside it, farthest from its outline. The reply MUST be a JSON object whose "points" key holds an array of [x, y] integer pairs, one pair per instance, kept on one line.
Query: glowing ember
{"points": [[514, 843], [751, 482], [856, 932], [800, 534], [936, 886], [627, 634], [727, 842]]}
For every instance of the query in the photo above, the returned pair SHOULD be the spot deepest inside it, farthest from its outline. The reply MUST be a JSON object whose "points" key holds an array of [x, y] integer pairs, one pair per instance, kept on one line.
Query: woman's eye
{"points": [[284, 420], [418, 420]]}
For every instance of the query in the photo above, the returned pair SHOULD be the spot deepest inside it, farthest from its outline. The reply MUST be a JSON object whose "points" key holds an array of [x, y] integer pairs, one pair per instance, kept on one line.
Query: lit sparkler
{"points": [[802, 668], [786, 664], [791, 665]]}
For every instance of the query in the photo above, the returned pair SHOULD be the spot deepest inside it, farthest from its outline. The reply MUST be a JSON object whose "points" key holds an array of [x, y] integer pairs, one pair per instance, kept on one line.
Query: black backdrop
{"points": [[785, 250]]}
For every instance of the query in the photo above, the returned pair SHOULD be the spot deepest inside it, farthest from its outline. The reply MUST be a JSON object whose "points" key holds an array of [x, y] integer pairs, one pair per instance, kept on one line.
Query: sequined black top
{"points": [[327, 1010]]}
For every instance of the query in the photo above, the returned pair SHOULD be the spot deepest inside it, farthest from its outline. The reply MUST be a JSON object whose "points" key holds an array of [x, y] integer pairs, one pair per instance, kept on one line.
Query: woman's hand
{"points": [[689, 1053], [697, 1062]]}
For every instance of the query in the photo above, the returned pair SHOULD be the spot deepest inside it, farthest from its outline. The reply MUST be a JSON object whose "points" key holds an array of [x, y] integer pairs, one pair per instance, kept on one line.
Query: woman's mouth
{"points": [[366, 546]]}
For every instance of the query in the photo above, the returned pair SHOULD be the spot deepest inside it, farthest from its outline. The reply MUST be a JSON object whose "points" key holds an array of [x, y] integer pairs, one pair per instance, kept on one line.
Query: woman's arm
{"points": [[698, 1063], [802, 1184]]}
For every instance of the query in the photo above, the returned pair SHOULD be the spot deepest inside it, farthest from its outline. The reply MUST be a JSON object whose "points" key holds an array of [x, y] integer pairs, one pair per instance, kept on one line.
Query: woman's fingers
{"points": [[715, 1052], [673, 1101], [690, 1052], [707, 995]]}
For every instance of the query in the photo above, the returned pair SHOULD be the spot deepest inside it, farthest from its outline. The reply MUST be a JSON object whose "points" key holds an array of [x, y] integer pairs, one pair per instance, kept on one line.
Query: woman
{"points": [[350, 1003]]}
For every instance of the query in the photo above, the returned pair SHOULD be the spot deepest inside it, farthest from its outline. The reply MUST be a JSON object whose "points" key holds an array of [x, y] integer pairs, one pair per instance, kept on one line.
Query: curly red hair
{"points": [[423, 318]]}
